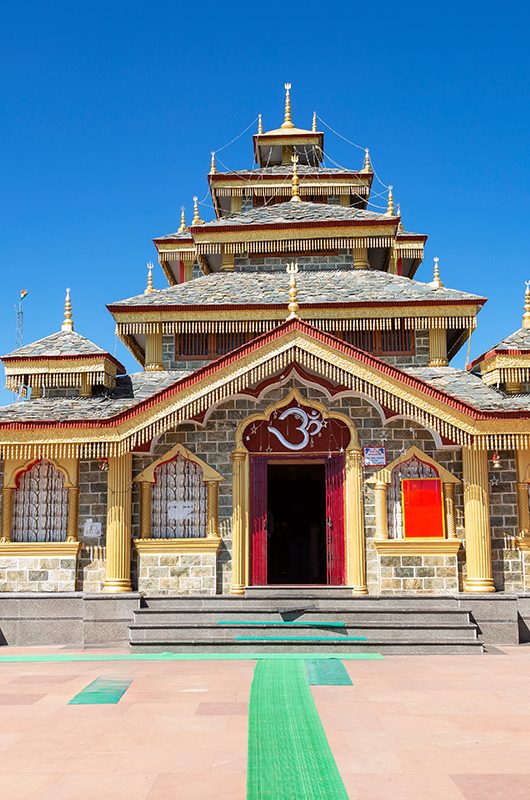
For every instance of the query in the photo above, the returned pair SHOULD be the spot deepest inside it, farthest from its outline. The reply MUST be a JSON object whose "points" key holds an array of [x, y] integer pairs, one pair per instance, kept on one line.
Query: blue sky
{"points": [[109, 111]]}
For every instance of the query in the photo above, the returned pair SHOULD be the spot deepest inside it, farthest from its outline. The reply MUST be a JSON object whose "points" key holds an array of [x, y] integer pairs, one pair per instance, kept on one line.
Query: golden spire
{"points": [[293, 307], [526, 315], [213, 168], [390, 204], [183, 227], [367, 166], [436, 282], [68, 323], [260, 124], [149, 288], [287, 121], [295, 180], [314, 125], [400, 226], [196, 218]]}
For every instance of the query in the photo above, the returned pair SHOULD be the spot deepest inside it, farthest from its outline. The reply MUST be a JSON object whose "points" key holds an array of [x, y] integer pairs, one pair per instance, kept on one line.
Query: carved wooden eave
{"points": [[503, 366], [60, 371], [171, 252], [240, 183], [243, 371]]}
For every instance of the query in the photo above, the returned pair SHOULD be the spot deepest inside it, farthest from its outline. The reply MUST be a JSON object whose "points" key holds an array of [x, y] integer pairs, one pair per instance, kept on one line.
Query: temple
{"points": [[294, 420]]}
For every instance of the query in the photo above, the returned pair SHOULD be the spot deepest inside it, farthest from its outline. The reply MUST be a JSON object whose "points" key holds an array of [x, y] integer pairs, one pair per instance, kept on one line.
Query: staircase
{"points": [[305, 620]]}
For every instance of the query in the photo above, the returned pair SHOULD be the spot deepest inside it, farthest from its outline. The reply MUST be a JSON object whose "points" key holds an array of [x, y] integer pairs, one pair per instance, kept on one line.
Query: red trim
{"points": [[287, 327], [495, 352]]}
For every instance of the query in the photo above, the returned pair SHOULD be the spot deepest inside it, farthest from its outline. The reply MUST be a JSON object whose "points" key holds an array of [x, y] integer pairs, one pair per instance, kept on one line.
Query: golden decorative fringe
{"points": [[177, 255], [57, 380], [306, 188], [495, 377], [293, 245]]}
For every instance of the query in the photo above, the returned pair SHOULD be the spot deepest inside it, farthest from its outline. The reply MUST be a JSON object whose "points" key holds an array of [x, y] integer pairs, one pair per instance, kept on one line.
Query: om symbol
{"points": [[310, 425]]}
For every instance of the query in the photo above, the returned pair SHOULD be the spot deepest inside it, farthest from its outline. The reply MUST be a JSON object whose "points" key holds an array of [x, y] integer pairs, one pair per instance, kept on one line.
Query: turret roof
{"points": [[315, 287], [62, 344], [297, 212]]}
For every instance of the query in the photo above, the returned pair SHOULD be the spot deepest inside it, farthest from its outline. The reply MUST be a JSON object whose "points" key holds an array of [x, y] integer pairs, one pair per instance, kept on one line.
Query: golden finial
{"points": [[196, 218], [390, 204], [436, 282], [295, 180], [293, 307], [149, 288], [400, 226], [213, 168], [260, 124], [287, 121], [526, 315], [314, 125], [183, 227], [367, 166], [68, 324]]}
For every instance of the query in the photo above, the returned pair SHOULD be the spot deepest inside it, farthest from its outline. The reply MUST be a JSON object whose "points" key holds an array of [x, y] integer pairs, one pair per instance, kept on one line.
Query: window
{"points": [[179, 500], [205, 346], [40, 510], [411, 469], [396, 341]]}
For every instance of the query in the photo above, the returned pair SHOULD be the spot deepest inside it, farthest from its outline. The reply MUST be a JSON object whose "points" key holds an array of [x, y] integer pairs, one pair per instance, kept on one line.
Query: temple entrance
{"points": [[296, 523]]}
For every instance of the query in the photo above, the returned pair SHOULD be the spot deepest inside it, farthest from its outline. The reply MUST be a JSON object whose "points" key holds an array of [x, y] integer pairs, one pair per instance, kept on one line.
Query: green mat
{"points": [[328, 639], [102, 691], [72, 657], [288, 753], [327, 672], [285, 624]]}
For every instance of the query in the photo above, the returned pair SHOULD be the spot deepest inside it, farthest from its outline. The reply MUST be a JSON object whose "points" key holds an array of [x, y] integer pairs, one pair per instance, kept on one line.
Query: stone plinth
{"points": [[40, 567], [411, 567], [177, 566]]}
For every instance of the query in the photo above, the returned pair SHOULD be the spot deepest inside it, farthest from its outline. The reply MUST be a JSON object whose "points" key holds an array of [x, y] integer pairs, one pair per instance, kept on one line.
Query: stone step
{"points": [[221, 646], [382, 632], [292, 602], [403, 618]]}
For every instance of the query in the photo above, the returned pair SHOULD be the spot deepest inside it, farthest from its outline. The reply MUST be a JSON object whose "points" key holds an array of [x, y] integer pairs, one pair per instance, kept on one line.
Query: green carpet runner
{"points": [[102, 691], [327, 672]]}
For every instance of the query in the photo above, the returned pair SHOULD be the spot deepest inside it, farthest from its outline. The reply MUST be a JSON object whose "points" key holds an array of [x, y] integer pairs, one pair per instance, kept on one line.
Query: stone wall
{"points": [[425, 574], [92, 517], [36, 574], [174, 573], [507, 562], [343, 259]]}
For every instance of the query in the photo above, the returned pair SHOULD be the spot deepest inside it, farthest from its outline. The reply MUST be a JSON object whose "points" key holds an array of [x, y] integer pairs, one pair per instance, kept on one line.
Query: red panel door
{"points": [[335, 520], [258, 520]]}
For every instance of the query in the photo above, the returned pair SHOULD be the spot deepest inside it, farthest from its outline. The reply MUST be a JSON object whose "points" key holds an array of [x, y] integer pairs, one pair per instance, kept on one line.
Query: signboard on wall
{"points": [[374, 456]]}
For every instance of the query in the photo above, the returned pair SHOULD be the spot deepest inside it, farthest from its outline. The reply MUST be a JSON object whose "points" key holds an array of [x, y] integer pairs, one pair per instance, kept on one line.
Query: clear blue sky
{"points": [[109, 111]]}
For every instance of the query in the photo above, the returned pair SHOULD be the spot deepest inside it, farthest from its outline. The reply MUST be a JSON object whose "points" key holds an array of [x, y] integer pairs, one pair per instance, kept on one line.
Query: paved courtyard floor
{"points": [[429, 727]]}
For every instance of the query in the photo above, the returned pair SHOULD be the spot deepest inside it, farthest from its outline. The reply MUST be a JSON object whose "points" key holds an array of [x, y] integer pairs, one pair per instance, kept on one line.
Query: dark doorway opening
{"points": [[296, 524]]}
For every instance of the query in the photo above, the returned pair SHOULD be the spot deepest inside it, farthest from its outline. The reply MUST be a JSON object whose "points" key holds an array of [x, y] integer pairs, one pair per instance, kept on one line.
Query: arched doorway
{"points": [[300, 517]]}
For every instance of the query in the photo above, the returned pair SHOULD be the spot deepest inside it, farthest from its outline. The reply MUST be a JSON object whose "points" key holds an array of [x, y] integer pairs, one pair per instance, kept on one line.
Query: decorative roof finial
{"points": [[314, 125], [213, 168], [149, 288], [526, 315], [196, 218], [183, 227], [367, 166], [293, 307], [68, 324], [260, 124], [400, 226], [287, 121], [436, 282], [390, 204], [295, 180]]}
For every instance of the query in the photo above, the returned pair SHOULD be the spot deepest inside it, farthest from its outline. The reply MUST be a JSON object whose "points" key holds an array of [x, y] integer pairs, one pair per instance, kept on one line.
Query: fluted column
{"points": [[73, 514], [360, 258], [153, 350], [146, 499], [8, 494], [438, 348], [356, 552], [449, 503], [477, 521], [119, 507], [239, 501], [212, 507], [86, 386], [381, 512]]}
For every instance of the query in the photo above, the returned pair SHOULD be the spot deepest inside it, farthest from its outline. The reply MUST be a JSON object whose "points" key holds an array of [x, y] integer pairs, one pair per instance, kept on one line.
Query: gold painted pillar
{"points": [[381, 512], [119, 508], [449, 503], [355, 545], [360, 258], [227, 261], [8, 495], [438, 347], [212, 507], [239, 523], [86, 386], [146, 499], [523, 511], [153, 350], [345, 200], [236, 202], [477, 521], [73, 514]]}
